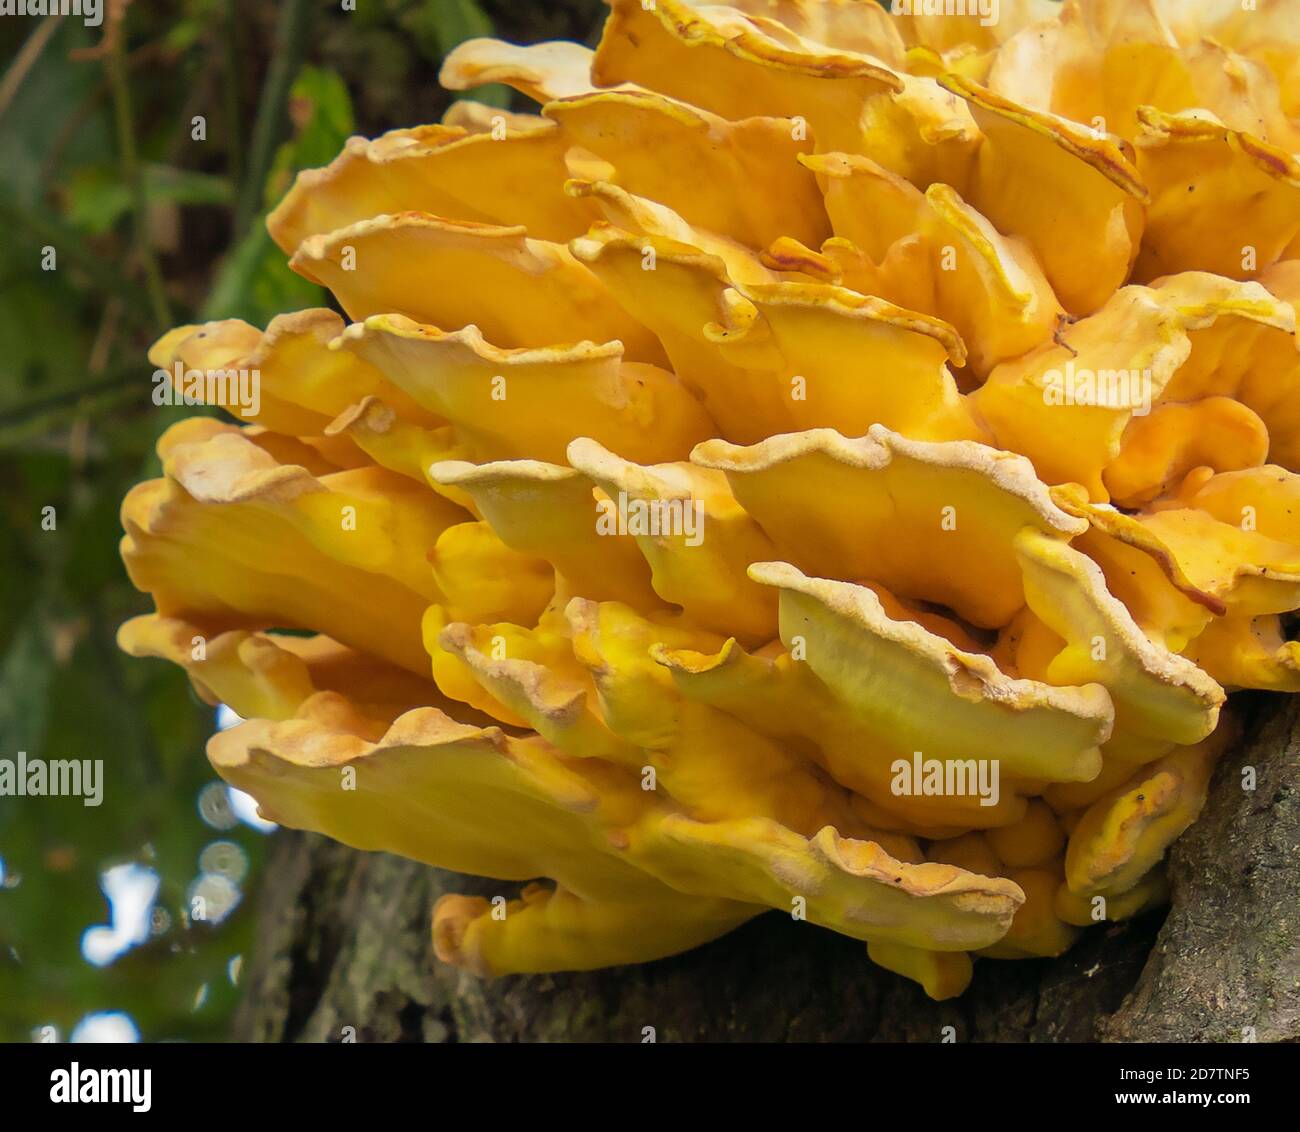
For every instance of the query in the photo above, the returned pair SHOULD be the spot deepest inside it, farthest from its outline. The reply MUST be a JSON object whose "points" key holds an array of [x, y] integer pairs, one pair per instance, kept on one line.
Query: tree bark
{"points": [[344, 954]]}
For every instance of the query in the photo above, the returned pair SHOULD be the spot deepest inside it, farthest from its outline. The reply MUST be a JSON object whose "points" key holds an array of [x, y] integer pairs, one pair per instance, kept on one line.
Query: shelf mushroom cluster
{"points": [[809, 402]]}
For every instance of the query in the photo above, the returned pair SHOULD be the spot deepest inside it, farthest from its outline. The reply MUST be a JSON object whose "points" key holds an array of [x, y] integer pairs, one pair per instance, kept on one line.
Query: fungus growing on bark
{"points": [[834, 467]]}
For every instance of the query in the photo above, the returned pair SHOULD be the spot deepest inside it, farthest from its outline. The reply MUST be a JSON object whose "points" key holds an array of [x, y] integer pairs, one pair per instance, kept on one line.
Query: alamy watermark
{"points": [[235, 390], [90, 11], [59, 778], [986, 10], [78, 1085], [1105, 388], [947, 778], [655, 518]]}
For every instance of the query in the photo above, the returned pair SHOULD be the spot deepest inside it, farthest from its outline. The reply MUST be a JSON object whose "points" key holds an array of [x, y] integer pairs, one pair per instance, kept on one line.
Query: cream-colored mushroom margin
{"points": [[519, 291], [490, 178], [917, 508], [914, 691], [475, 800]]}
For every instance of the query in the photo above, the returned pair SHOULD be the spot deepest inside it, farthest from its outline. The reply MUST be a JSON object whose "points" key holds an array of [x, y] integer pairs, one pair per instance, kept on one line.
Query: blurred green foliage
{"points": [[99, 160]]}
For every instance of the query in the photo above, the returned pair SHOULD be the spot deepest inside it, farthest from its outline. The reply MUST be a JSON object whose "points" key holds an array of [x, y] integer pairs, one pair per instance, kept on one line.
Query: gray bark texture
{"points": [[344, 952]]}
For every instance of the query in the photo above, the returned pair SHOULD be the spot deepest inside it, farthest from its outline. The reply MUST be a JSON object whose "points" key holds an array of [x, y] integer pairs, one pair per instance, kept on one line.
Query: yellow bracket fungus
{"points": [[822, 461]]}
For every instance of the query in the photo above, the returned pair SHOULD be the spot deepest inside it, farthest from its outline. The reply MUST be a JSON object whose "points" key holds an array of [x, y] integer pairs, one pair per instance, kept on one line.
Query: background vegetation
{"points": [[151, 227]]}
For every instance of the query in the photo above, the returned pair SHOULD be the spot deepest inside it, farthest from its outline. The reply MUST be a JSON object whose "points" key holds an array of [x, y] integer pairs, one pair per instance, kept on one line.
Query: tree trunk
{"points": [[344, 953]]}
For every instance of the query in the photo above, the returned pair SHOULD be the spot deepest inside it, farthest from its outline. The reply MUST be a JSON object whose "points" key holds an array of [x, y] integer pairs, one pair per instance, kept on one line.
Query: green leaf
{"points": [[320, 103], [439, 25], [43, 340], [52, 93], [454, 21], [97, 197], [25, 673], [255, 282]]}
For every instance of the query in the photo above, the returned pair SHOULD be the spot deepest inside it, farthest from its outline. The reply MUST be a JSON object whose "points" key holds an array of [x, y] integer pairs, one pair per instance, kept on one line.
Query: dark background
{"points": [[152, 228]]}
